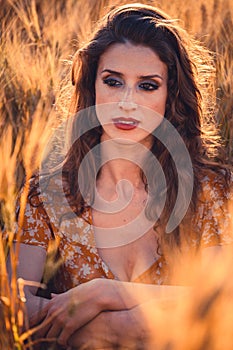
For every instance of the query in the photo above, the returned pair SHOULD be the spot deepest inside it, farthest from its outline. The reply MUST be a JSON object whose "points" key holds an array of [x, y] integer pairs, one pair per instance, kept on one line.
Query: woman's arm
{"points": [[111, 328], [75, 308], [78, 306], [30, 267], [138, 328], [145, 322], [31, 264]]}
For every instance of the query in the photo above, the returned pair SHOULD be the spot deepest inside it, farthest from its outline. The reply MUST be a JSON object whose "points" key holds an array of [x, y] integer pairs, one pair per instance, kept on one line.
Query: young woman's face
{"points": [[131, 92]]}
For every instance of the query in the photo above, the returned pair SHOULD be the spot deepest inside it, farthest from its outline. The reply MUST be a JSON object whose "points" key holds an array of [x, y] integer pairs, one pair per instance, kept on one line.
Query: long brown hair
{"points": [[189, 104]]}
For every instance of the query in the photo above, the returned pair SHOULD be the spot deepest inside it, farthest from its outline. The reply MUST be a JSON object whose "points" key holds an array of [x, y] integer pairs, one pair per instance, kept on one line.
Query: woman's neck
{"points": [[119, 183], [122, 160]]}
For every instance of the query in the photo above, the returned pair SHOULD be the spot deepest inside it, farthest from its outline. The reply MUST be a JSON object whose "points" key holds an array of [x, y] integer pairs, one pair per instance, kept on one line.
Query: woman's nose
{"points": [[127, 102], [127, 105]]}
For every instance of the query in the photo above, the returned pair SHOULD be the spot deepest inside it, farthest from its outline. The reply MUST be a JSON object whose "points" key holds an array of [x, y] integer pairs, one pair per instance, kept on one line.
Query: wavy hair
{"points": [[189, 104]]}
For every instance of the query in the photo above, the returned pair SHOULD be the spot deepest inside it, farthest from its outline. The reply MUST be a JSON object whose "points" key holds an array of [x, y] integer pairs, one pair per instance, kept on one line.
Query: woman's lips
{"points": [[125, 123]]}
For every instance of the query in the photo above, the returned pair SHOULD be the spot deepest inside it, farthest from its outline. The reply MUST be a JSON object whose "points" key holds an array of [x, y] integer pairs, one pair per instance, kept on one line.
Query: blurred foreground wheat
{"points": [[37, 42]]}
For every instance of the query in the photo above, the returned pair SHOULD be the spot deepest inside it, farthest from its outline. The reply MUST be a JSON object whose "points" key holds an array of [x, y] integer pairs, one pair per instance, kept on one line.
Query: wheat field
{"points": [[38, 39]]}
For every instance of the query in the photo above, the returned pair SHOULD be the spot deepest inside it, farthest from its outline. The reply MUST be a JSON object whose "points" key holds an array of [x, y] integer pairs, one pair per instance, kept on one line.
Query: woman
{"points": [[138, 148]]}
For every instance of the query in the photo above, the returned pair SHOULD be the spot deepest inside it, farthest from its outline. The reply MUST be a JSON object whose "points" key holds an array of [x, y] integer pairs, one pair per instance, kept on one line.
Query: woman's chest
{"points": [[131, 260], [126, 241]]}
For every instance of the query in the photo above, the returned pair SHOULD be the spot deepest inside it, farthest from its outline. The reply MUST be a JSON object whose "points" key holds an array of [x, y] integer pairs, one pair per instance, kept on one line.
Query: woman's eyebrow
{"points": [[111, 71], [149, 76]]}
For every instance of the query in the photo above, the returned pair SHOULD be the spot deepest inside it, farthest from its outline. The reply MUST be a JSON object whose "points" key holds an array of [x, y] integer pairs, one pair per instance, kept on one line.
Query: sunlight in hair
{"points": [[38, 43]]}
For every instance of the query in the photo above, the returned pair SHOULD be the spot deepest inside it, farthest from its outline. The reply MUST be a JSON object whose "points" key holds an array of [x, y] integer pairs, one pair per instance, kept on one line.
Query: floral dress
{"points": [[80, 262]]}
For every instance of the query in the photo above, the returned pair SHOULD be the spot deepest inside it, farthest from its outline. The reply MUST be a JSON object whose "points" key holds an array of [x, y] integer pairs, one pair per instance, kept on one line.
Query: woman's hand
{"points": [[140, 327], [67, 312], [125, 329]]}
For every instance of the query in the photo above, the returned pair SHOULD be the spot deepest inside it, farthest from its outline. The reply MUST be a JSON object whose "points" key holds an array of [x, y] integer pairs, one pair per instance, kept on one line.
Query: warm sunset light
{"points": [[38, 42]]}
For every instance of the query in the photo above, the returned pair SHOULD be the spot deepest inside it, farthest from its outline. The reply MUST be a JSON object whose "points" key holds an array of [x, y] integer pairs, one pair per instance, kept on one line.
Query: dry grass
{"points": [[38, 39]]}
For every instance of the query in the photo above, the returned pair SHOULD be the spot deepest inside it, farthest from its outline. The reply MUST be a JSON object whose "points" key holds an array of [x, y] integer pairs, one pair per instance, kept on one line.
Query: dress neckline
{"points": [[140, 276]]}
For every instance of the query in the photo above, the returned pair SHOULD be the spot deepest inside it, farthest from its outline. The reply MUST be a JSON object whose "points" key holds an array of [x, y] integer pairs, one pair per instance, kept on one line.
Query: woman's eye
{"points": [[112, 82], [148, 86]]}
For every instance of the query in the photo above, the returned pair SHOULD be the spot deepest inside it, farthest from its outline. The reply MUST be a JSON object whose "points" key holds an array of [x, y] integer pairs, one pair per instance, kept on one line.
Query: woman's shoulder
{"points": [[45, 199], [217, 186], [46, 188], [47, 213], [214, 216]]}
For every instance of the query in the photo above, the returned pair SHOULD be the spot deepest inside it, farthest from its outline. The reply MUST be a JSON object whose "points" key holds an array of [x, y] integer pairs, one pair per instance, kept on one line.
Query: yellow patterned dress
{"points": [[46, 220]]}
